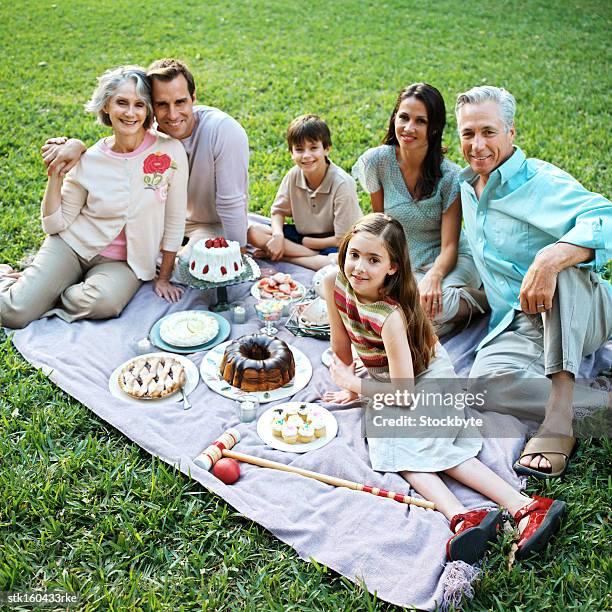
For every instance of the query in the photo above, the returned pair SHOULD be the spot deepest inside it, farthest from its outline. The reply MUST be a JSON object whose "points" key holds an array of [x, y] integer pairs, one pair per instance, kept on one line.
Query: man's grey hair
{"points": [[478, 95], [109, 83]]}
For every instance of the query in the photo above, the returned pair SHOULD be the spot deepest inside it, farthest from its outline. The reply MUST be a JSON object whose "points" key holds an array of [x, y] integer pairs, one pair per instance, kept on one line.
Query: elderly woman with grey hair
{"points": [[107, 220]]}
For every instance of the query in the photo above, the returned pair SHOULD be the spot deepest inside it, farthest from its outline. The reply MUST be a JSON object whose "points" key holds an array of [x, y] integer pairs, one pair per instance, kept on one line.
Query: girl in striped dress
{"points": [[374, 305]]}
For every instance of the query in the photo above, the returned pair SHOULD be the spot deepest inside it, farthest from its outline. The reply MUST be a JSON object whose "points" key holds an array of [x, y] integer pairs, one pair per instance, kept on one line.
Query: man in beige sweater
{"points": [[217, 149]]}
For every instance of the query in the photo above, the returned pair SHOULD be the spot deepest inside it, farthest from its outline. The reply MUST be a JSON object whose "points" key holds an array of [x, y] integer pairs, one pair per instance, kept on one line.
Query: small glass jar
{"points": [[239, 313], [142, 346], [248, 406]]}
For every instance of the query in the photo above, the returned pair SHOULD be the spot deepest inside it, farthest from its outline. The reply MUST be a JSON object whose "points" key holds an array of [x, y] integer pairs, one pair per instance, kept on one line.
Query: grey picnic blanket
{"points": [[395, 550]]}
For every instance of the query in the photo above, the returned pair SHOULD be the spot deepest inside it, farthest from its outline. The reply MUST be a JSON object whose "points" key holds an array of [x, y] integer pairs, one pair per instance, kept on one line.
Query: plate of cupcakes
{"points": [[297, 427]]}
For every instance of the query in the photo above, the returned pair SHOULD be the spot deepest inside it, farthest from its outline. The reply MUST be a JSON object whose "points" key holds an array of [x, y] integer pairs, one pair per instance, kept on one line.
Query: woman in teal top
{"points": [[408, 178]]}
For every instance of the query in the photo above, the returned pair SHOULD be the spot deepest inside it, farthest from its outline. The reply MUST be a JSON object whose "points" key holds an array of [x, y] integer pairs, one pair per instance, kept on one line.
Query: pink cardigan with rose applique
{"points": [[146, 194]]}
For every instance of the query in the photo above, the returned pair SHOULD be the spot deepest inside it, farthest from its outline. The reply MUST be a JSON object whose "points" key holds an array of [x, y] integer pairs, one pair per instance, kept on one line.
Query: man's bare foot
{"points": [[536, 462], [557, 423]]}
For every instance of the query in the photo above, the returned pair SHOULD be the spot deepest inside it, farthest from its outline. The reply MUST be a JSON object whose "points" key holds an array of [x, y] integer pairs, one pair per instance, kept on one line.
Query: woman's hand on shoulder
{"points": [[165, 289]]}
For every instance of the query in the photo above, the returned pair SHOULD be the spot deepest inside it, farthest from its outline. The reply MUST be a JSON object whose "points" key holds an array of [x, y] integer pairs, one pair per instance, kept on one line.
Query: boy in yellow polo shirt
{"points": [[320, 197]]}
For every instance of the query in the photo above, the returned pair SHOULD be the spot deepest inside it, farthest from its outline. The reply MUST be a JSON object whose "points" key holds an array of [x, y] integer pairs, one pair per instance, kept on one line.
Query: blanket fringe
{"points": [[457, 581]]}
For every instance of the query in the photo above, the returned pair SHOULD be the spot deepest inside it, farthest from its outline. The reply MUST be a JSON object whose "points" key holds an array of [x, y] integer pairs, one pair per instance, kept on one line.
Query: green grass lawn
{"points": [[84, 509]]}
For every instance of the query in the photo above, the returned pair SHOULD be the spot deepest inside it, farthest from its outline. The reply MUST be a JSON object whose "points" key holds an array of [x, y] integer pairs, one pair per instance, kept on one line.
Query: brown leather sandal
{"points": [[557, 449]]}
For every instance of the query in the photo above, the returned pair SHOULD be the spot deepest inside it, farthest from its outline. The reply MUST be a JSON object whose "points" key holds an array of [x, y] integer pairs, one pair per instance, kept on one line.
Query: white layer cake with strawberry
{"points": [[216, 260]]}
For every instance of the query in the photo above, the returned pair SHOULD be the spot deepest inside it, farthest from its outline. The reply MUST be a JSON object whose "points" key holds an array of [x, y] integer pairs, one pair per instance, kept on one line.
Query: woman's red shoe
{"points": [[470, 542], [544, 520]]}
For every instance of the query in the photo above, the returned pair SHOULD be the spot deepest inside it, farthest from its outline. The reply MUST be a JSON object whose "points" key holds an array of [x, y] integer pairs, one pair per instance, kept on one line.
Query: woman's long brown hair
{"points": [[401, 286]]}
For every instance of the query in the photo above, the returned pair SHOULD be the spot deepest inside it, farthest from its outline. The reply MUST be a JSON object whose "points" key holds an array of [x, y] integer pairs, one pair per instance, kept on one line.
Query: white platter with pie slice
{"points": [[191, 374]]}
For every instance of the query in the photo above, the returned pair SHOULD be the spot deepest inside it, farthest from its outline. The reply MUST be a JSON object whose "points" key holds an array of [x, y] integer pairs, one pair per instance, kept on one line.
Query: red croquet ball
{"points": [[227, 470]]}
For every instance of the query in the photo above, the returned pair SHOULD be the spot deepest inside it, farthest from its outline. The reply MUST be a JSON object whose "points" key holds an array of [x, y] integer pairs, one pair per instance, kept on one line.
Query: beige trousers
{"points": [[513, 367], [60, 282]]}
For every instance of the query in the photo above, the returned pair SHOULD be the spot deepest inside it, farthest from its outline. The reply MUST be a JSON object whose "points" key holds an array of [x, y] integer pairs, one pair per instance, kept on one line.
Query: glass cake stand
{"points": [[250, 272]]}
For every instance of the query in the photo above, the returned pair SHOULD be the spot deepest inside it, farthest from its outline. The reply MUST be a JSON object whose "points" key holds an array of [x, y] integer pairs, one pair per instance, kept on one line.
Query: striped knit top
{"points": [[364, 323]]}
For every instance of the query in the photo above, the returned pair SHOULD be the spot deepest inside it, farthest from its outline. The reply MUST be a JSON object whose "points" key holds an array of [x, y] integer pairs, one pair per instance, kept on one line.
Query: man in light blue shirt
{"points": [[538, 238]]}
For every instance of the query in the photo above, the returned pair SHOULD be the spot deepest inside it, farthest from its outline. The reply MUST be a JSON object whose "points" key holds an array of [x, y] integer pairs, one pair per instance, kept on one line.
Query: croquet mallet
{"points": [[222, 448]]}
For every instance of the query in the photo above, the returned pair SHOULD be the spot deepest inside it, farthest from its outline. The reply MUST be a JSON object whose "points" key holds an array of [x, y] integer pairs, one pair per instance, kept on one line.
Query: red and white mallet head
{"points": [[210, 455]]}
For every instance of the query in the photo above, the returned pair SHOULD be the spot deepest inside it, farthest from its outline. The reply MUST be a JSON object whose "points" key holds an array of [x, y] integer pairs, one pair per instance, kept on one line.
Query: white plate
{"points": [[174, 328], [264, 430], [256, 293], [191, 374], [209, 370]]}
